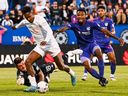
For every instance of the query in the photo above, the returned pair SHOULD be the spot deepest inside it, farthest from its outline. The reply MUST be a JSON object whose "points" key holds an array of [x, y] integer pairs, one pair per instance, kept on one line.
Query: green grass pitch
{"points": [[60, 84]]}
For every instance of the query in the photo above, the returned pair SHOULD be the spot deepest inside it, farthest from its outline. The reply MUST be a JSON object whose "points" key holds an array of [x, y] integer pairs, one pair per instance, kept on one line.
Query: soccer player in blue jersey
{"points": [[104, 41], [84, 32]]}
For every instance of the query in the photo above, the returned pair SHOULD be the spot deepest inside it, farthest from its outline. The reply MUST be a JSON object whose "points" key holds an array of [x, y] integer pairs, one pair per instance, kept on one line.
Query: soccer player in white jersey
{"points": [[46, 43]]}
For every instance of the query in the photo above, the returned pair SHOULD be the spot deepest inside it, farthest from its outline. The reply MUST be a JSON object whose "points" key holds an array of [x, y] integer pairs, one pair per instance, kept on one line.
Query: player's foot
{"points": [[31, 89], [73, 80], [103, 81], [84, 78], [112, 77]]}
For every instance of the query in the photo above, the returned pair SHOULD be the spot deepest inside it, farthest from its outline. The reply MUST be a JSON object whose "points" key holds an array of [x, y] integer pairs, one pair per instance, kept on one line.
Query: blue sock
{"points": [[101, 67], [85, 71], [113, 67], [94, 73]]}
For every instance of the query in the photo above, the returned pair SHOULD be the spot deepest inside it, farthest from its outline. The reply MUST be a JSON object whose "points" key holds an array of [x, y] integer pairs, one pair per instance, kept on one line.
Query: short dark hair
{"points": [[17, 60], [101, 7], [82, 9], [26, 9]]}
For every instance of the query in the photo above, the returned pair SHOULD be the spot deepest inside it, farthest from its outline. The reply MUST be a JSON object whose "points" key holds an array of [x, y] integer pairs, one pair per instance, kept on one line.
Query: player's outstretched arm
{"points": [[63, 29], [113, 36]]}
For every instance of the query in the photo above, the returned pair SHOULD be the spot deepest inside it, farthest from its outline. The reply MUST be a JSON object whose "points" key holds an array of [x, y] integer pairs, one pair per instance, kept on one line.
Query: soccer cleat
{"points": [[84, 78], [73, 80], [103, 82], [31, 89], [112, 77]]}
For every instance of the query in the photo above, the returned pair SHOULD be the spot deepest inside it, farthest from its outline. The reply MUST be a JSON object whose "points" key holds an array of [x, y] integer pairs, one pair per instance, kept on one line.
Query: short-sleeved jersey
{"points": [[84, 33], [39, 28], [101, 38]]}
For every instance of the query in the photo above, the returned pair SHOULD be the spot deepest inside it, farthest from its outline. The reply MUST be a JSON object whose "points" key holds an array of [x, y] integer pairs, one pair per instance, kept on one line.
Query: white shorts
{"points": [[52, 48]]}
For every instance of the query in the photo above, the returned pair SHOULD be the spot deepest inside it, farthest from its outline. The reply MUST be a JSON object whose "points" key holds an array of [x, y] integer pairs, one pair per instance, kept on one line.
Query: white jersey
{"points": [[40, 29]]}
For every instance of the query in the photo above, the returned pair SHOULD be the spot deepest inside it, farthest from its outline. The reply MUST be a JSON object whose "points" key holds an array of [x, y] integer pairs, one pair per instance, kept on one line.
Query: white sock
{"points": [[85, 74], [32, 80], [71, 72]]}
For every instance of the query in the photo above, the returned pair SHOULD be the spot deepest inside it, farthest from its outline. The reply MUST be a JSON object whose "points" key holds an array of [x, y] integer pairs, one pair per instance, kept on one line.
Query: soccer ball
{"points": [[42, 87]]}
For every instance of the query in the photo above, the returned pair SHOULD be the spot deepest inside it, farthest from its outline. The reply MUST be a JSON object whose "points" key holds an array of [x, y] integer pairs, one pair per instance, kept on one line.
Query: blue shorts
{"points": [[106, 49], [88, 51]]}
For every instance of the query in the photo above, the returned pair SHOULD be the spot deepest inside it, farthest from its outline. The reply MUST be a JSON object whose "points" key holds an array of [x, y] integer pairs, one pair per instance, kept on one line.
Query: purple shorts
{"points": [[88, 51], [106, 49]]}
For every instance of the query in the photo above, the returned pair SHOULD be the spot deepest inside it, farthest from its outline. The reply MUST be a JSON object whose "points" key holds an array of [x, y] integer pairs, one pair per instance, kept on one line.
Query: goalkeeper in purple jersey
{"points": [[84, 32], [104, 41]]}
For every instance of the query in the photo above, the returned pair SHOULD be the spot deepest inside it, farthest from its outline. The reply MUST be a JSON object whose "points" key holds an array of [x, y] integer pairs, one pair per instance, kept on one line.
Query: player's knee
{"points": [[61, 68], [28, 62], [113, 60], [100, 57]]}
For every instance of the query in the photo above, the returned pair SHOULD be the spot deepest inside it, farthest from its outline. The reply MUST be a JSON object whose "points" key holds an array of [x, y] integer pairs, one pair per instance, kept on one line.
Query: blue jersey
{"points": [[101, 38], [84, 33]]}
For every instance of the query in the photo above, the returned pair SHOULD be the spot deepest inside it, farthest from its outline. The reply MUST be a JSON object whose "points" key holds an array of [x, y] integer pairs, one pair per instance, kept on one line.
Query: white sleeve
{"points": [[22, 23], [47, 28], [6, 4]]}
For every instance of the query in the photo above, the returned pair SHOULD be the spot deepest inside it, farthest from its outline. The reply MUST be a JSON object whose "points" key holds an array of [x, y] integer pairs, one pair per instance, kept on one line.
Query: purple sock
{"points": [[113, 67], [85, 71], [94, 73], [101, 67]]}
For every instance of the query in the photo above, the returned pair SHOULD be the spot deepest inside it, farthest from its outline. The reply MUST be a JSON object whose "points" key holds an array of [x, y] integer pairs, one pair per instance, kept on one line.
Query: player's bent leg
{"points": [[59, 62], [102, 81], [33, 56], [100, 62], [112, 60]]}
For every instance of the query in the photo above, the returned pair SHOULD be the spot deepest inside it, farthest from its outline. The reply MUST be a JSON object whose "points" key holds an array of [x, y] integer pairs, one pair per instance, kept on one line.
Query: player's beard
{"points": [[81, 21], [102, 17]]}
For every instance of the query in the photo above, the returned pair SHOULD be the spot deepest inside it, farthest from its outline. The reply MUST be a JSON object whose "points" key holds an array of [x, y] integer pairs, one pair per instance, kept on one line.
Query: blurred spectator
{"points": [[103, 3], [121, 17], [34, 8], [12, 16], [126, 11], [71, 11], [18, 7], [4, 6], [39, 8], [7, 21], [22, 3], [30, 2], [126, 4], [64, 13], [84, 3], [120, 3], [109, 8], [2, 30], [1, 16], [55, 14], [114, 2], [110, 14], [19, 17]]}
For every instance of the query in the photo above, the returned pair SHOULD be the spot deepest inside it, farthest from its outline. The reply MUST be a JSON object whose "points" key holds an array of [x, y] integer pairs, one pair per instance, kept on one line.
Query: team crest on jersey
{"points": [[106, 24], [88, 28]]}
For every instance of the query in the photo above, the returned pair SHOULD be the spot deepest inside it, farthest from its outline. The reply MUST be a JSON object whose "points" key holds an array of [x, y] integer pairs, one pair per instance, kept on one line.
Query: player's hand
{"points": [[20, 81], [121, 42], [43, 43]]}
